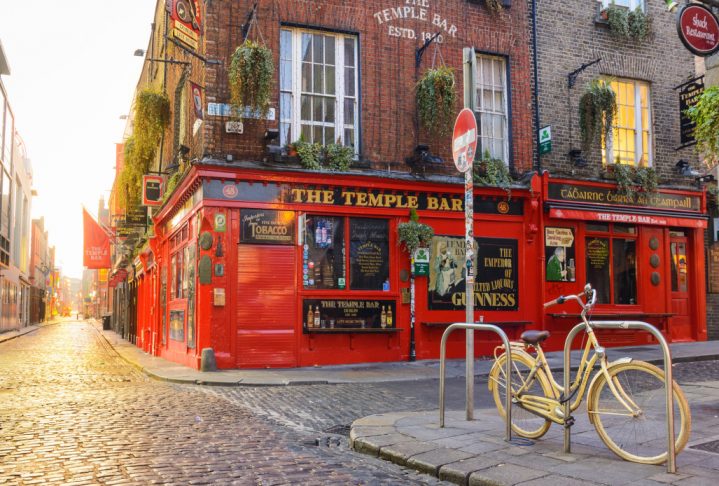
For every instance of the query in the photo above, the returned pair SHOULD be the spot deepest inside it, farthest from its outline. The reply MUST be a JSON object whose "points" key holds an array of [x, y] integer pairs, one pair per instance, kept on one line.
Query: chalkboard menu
{"points": [[267, 227], [598, 267], [348, 314], [369, 254]]}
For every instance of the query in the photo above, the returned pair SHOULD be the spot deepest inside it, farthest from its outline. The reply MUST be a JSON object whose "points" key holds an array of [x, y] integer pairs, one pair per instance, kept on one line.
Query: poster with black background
{"points": [[349, 314], [496, 283], [369, 254]]}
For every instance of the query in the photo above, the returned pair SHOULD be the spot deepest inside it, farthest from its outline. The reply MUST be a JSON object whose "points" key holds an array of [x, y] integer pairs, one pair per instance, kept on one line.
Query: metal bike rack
{"points": [[470, 379], [668, 381]]}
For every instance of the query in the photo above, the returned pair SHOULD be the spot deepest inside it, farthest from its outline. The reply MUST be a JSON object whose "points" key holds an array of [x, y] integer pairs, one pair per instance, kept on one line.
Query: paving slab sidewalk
{"points": [[7, 336], [414, 440], [162, 369]]}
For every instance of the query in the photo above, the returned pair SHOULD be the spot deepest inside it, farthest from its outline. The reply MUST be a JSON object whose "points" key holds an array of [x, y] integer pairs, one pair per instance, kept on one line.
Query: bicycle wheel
{"points": [[640, 436], [524, 423]]}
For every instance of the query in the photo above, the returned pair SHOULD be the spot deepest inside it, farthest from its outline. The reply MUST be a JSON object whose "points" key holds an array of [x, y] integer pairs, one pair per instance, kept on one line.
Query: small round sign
{"points": [[698, 29], [464, 140]]}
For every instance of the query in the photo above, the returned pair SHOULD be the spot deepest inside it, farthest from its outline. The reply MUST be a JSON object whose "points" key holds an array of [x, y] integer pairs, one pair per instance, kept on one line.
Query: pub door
{"points": [[680, 328], [266, 306]]}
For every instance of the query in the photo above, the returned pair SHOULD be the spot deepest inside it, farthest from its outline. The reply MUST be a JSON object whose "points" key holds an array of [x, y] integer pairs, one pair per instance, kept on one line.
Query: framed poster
{"points": [[559, 254], [496, 286], [177, 325], [369, 254], [348, 314]]}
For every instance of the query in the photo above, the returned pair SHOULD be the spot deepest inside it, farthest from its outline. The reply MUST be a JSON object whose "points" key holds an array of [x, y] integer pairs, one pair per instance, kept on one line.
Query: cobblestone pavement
{"points": [[73, 412]]}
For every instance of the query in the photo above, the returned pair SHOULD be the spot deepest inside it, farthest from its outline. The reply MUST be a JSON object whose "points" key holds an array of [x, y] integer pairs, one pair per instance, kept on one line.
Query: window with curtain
{"points": [[631, 134], [318, 87], [491, 106]]}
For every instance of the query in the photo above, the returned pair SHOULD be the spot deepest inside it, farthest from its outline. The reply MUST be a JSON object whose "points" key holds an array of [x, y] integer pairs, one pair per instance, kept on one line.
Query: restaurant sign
{"points": [[698, 29], [348, 314], [356, 197], [605, 195], [267, 227]]}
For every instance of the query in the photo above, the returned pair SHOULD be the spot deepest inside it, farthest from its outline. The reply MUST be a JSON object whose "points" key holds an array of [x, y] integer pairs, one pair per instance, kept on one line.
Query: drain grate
{"points": [[711, 446], [340, 429]]}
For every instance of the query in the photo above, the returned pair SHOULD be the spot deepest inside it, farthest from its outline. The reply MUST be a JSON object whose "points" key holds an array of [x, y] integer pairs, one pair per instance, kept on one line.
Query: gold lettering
{"points": [[328, 197], [444, 206], [361, 199], [432, 203], [456, 204], [313, 196], [389, 200], [297, 195], [412, 202], [347, 196], [375, 200]]}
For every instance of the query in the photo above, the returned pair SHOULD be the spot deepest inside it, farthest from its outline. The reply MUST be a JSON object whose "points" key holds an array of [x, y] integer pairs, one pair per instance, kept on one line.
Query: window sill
{"points": [[351, 330]]}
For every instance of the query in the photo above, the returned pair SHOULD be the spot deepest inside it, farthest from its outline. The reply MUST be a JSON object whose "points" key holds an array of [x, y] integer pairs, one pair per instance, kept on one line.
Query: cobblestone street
{"points": [[73, 412]]}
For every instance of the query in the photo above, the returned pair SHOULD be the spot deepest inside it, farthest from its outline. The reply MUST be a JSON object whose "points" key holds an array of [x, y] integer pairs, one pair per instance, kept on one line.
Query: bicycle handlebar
{"points": [[588, 292]]}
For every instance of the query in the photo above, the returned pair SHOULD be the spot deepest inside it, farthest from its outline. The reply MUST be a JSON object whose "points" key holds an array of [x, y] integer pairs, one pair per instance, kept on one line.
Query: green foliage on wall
{"points": [[706, 116], [597, 109], [414, 234]]}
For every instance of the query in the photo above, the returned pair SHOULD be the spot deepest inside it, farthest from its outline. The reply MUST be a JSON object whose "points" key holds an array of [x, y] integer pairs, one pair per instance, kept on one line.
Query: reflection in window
{"points": [[369, 254], [625, 271], [324, 253]]}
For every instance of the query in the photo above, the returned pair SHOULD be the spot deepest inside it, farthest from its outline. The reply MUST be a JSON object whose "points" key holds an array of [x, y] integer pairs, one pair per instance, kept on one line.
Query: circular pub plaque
{"points": [[698, 29], [656, 279], [654, 261], [654, 243]]}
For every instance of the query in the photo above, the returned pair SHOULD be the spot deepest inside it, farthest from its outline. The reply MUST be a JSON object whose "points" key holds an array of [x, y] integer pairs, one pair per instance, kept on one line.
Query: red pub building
{"points": [[271, 263]]}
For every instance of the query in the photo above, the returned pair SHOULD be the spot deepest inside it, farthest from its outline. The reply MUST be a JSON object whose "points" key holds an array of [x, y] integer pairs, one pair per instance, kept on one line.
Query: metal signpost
{"points": [[464, 147]]}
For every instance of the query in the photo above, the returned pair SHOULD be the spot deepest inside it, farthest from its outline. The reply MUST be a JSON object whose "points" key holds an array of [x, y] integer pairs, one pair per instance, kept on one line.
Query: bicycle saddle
{"points": [[534, 337]]}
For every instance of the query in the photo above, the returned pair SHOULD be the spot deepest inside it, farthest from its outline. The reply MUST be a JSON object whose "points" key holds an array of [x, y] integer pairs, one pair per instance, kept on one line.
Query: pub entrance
{"points": [[681, 328]]}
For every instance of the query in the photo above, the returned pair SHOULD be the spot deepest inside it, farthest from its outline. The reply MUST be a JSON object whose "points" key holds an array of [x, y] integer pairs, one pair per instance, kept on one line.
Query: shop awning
{"points": [[634, 217]]}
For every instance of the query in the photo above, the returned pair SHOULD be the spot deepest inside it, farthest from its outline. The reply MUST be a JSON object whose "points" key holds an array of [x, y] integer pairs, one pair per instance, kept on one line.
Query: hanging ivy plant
{"points": [[630, 179], [597, 109], [152, 117], [414, 234], [250, 76], [493, 172], [705, 113], [436, 97]]}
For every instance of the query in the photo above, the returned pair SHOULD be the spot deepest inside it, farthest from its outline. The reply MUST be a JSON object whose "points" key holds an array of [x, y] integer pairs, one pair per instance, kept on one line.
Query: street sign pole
{"points": [[464, 147]]}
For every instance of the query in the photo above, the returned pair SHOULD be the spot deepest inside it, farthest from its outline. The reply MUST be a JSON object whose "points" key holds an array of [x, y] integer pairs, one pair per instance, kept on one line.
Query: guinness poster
{"points": [[267, 227], [496, 282]]}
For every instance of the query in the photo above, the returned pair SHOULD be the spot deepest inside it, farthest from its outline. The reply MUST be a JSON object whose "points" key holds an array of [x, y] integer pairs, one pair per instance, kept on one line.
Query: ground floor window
{"points": [[611, 262]]}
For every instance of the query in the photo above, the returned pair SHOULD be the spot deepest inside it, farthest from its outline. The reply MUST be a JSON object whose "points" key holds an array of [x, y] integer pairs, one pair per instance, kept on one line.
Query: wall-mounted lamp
{"points": [[705, 178], [272, 134], [141, 53], [421, 157], [576, 156], [683, 168], [671, 5]]}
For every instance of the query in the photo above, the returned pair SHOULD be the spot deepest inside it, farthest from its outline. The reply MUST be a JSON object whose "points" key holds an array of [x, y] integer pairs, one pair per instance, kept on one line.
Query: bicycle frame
{"points": [[552, 408]]}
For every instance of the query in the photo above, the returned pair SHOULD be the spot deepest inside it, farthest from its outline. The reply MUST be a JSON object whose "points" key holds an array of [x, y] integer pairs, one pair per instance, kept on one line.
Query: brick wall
{"points": [[568, 37], [387, 68]]}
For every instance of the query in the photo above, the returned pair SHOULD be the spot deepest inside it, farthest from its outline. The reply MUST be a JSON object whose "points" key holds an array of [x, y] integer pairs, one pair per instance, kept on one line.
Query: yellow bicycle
{"points": [[626, 402]]}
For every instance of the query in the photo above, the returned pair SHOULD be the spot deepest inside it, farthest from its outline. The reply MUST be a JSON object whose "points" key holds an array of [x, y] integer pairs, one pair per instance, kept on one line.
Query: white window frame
{"points": [[638, 127], [630, 4], [296, 89], [477, 103]]}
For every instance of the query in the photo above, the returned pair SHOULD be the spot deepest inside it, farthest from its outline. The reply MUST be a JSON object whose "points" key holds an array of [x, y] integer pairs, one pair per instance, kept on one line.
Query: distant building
{"points": [[39, 271], [15, 201]]}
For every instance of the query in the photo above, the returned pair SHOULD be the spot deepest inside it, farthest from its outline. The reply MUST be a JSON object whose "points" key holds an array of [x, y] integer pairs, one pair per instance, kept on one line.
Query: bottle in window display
{"points": [[389, 316], [383, 318], [317, 317], [310, 318]]}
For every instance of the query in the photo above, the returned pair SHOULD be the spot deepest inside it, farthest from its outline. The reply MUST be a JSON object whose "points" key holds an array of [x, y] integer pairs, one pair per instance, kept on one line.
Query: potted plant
{"points": [[627, 24], [250, 78], [338, 156], [414, 234], [489, 171], [436, 96], [597, 109], [309, 154]]}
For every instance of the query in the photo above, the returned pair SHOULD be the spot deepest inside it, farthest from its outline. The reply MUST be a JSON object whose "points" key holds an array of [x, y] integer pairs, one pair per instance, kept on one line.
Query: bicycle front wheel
{"points": [[524, 423], [639, 435]]}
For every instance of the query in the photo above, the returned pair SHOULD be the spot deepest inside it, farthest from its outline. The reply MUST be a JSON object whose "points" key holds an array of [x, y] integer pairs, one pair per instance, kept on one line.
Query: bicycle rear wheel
{"points": [[640, 436], [524, 423]]}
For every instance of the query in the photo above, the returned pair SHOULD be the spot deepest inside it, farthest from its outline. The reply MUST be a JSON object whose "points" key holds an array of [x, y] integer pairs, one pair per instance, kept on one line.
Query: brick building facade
{"points": [[575, 41]]}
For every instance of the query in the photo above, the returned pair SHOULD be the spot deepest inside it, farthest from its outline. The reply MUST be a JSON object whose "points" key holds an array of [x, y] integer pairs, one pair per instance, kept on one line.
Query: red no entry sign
{"points": [[464, 140]]}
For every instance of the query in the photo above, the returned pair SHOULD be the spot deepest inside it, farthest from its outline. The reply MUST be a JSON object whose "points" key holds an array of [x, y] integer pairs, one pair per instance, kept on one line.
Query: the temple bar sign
{"points": [[428, 21]]}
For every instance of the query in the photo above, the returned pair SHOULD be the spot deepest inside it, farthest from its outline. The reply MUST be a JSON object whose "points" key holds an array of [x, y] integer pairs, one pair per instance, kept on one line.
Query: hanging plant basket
{"points": [[436, 96], [597, 109], [250, 77], [414, 234]]}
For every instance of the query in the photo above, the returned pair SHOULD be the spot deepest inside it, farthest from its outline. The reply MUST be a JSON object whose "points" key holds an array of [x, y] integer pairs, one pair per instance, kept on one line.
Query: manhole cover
{"points": [[339, 430], [711, 446]]}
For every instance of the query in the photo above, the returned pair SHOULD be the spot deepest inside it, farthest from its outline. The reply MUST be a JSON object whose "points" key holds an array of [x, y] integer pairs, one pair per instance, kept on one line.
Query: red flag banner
{"points": [[97, 243]]}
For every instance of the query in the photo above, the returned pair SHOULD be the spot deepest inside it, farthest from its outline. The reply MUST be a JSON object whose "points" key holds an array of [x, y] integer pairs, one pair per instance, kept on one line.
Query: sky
{"points": [[72, 76]]}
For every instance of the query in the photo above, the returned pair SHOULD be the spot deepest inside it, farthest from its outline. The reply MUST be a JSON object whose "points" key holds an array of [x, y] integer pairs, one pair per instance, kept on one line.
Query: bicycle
{"points": [[626, 402]]}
